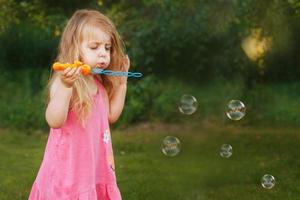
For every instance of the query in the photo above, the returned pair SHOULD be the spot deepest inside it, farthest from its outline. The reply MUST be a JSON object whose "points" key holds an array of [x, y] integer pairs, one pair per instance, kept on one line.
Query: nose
{"points": [[101, 52]]}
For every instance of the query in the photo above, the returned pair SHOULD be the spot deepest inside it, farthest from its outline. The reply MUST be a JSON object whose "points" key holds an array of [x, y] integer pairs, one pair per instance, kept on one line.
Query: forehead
{"points": [[95, 34]]}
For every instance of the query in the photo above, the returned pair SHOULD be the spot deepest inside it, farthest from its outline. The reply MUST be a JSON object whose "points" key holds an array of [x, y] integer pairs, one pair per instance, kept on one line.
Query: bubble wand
{"points": [[86, 69]]}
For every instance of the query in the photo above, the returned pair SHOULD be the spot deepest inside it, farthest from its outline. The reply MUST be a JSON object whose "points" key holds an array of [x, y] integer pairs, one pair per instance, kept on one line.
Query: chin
{"points": [[102, 67]]}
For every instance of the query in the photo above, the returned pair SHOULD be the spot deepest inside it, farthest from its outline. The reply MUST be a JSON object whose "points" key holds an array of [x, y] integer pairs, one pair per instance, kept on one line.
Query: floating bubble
{"points": [[188, 104], [171, 146], [268, 181], [226, 150], [236, 110]]}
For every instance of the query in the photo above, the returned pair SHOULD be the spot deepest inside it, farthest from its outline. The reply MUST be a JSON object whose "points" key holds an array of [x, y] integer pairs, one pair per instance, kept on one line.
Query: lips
{"points": [[100, 65]]}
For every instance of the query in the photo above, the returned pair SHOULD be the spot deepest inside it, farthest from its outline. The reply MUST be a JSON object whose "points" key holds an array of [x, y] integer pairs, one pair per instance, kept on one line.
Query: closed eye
{"points": [[93, 47]]}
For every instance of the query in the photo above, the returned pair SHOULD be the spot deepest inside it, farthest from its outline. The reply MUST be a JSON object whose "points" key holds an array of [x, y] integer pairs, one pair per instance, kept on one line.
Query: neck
{"points": [[99, 78]]}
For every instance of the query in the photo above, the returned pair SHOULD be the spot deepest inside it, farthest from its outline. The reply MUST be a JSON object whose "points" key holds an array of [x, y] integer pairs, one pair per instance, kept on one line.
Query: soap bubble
{"points": [[268, 181], [226, 150], [188, 104], [171, 146], [236, 110]]}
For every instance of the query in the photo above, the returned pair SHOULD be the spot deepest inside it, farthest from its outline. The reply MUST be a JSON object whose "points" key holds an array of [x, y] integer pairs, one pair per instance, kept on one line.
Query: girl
{"points": [[78, 162]]}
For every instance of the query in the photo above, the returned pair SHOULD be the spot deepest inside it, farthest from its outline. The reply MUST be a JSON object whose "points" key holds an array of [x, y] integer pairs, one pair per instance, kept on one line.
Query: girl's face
{"points": [[96, 48]]}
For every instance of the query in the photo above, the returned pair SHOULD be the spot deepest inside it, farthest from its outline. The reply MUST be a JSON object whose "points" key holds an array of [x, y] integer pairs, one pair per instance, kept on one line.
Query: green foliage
{"points": [[8, 14], [190, 40], [30, 46], [22, 103], [197, 40], [139, 102], [181, 46], [274, 104], [69, 6]]}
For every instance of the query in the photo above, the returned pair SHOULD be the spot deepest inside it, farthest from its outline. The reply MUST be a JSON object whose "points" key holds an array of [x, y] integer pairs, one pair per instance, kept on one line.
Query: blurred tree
{"points": [[187, 38], [194, 40], [8, 13], [201, 39], [69, 6]]}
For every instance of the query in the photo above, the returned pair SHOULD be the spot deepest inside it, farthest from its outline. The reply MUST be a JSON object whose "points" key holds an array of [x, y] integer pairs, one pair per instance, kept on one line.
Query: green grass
{"points": [[196, 173]]}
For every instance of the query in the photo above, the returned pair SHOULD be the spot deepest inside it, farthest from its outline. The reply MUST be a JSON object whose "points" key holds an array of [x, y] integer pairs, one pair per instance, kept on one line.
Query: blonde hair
{"points": [[69, 51]]}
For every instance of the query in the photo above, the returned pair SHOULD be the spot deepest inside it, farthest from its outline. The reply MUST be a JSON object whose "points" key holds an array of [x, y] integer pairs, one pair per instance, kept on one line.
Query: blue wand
{"points": [[95, 70]]}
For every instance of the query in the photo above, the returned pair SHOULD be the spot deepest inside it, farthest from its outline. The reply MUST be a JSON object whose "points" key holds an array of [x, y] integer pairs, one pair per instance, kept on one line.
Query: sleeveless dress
{"points": [[78, 163]]}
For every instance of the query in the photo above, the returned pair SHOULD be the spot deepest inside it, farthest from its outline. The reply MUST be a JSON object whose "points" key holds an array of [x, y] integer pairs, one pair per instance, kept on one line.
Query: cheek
{"points": [[108, 60], [84, 58], [83, 54], [87, 55]]}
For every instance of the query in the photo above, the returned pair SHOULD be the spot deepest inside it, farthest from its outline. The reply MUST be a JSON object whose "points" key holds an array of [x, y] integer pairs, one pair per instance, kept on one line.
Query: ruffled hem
{"points": [[99, 192]]}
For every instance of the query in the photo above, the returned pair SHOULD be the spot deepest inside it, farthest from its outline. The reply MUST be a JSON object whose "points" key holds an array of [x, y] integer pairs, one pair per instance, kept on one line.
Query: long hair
{"points": [[70, 50]]}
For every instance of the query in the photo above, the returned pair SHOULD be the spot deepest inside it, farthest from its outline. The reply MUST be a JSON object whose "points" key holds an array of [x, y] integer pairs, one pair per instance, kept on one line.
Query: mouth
{"points": [[101, 65]]}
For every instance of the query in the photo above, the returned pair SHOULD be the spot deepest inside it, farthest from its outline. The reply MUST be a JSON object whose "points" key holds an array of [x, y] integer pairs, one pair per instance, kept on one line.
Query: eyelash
{"points": [[107, 48]]}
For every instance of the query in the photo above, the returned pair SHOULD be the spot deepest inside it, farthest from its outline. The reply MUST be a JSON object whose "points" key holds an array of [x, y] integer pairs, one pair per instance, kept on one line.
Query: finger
{"points": [[78, 71], [126, 63], [71, 72], [74, 77], [66, 71], [71, 79], [127, 59], [125, 68], [74, 70]]}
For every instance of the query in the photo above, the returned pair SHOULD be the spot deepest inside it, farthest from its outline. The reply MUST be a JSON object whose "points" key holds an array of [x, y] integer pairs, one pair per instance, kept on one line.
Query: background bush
{"points": [[182, 47]]}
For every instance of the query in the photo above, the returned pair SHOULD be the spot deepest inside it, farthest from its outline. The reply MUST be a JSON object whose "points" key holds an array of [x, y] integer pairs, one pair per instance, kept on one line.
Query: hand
{"points": [[70, 75], [124, 68]]}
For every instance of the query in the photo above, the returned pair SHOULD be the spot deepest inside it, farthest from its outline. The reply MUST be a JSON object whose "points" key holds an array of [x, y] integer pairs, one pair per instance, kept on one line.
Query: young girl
{"points": [[78, 163]]}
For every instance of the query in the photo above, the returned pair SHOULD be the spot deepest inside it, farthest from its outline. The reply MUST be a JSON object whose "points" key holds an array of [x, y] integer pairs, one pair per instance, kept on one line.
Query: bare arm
{"points": [[117, 98], [116, 103], [57, 109], [60, 95]]}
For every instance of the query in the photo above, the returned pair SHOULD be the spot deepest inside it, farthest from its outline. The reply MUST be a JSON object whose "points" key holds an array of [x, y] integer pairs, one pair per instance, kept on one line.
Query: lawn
{"points": [[197, 172]]}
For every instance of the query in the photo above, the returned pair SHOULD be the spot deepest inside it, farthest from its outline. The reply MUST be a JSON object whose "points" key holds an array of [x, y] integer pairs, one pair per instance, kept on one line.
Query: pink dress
{"points": [[78, 162]]}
